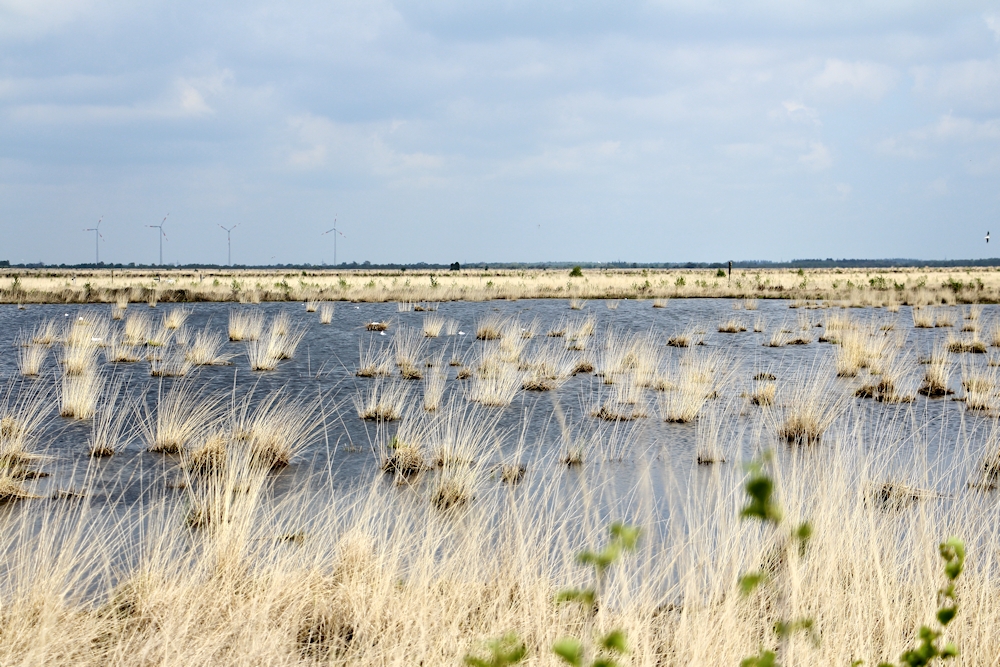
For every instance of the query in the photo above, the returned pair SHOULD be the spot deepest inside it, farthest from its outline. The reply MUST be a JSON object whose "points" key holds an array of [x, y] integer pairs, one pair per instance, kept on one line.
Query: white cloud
{"points": [[844, 190], [974, 82], [867, 79], [818, 157], [993, 23], [796, 112]]}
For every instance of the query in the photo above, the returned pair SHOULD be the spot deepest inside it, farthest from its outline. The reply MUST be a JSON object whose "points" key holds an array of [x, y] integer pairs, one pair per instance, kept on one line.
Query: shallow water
{"points": [[646, 453]]}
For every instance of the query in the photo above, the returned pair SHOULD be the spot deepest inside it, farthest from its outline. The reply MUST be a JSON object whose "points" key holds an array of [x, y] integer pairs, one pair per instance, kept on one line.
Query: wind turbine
{"points": [[336, 231], [229, 242], [162, 235], [97, 235]]}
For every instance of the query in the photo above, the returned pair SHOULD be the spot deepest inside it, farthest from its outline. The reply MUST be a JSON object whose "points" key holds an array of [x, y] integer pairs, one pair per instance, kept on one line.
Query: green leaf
{"points": [[762, 659], [505, 651], [627, 536], [615, 641], [749, 582], [946, 614], [585, 596], [570, 650]]}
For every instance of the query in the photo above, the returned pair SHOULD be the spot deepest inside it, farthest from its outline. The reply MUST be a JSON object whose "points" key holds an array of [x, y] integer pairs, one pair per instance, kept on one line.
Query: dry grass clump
{"points": [[408, 346], [611, 304], [577, 304], [260, 355], [179, 415], [245, 325], [889, 385], [206, 350], [959, 345], [433, 324], [660, 303], [974, 312], [811, 407], [78, 399], [945, 318], [687, 387], [151, 298], [763, 393], [496, 383], [176, 318], [778, 338], [979, 384], [732, 325], [923, 318], [172, 364], [935, 382], [137, 328], [373, 361], [490, 327], [709, 436], [23, 411], [434, 385], [311, 306], [30, 359], [275, 428], [118, 352], [377, 325], [749, 304], [326, 312], [121, 300], [111, 428], [382, 401], [45, 333]]}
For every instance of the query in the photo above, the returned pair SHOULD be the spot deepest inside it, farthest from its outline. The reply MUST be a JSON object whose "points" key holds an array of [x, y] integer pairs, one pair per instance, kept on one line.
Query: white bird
{"points": [[987, 237]]}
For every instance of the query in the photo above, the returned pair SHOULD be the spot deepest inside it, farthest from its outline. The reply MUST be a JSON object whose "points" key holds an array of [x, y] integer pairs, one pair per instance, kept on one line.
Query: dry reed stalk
{"points": [[611, 304], [79, 395], [577, 304], [151, 299], [404, 307], [759, 324], [312, 306], [117, 313], [182, 336], [749, 304], [245, 325], [326, 313], [121, 300], [283, 346], [175, 318], [777, 339]]}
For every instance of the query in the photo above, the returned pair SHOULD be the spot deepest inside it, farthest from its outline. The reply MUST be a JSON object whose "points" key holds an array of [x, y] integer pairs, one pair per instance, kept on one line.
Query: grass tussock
{"points": [[245, 325], [180, 413], [382, 400], [30, 360], [810, 408], [326, 310], [79, 396]]}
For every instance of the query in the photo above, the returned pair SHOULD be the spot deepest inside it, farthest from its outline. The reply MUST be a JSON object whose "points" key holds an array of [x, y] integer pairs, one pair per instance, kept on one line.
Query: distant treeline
{"points": [[828, 263]]}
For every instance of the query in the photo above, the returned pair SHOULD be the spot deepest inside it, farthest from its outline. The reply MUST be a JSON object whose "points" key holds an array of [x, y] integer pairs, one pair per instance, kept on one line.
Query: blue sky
{"points": [[447, 131]]}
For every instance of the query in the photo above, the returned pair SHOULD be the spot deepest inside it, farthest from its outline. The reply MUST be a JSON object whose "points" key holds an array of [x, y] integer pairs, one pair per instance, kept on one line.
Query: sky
{"points": [[498, 130]]}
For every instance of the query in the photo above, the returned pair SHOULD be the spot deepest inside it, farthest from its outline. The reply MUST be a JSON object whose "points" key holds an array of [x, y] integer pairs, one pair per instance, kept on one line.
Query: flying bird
{"points": [[987, 237]]}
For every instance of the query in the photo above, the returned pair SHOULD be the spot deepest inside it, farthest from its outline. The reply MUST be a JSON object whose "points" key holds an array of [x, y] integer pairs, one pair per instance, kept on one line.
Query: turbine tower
{"points": [[162, 235], [97, 235], [335, 232], [229, 242]]}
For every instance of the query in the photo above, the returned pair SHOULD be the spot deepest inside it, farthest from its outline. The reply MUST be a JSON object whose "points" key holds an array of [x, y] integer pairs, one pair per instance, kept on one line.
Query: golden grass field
{"points": [[858, 286], [450, 543]]}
